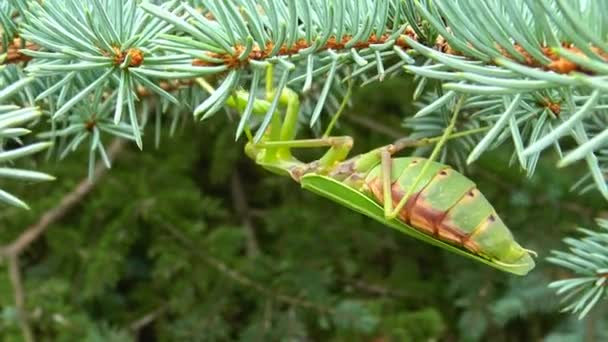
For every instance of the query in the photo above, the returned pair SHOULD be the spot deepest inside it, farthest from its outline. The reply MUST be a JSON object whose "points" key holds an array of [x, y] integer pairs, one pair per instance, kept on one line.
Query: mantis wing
{"points": [[355, 200]]}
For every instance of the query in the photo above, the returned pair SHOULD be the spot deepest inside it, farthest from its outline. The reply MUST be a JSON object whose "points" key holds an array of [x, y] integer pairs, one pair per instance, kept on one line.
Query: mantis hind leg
{"points": [[386, 167], [386, 170]]}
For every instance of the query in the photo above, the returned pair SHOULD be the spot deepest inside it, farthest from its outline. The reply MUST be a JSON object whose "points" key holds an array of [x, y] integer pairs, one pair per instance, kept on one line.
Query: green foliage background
{"points": [[159, 237]]}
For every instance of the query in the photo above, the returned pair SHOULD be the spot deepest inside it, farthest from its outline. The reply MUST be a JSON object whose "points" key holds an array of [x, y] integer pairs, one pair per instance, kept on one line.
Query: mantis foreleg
{"points": [[339, 147]]}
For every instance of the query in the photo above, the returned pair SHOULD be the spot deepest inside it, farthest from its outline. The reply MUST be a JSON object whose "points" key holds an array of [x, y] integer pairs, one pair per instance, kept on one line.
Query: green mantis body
{"points": [[422, 198], [445, 207]]}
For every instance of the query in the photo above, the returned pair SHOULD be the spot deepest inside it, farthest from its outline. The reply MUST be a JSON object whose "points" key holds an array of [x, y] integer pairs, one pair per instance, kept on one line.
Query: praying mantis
{"points": [[422, 198]]}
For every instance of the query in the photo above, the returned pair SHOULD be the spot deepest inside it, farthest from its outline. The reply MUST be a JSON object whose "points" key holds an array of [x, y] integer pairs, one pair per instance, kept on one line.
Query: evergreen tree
{"points": [[80, 79]]}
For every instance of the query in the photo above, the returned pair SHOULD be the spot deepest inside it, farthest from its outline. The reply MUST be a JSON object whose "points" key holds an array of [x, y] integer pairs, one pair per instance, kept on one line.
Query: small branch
{"points": [[139, 324], [14, 56], [241, 207], [375, 126], [168, 86], [245, 281], [34, 232], [377, 289], [558, 63], [68, 202], [19, 293], [257, 53]]}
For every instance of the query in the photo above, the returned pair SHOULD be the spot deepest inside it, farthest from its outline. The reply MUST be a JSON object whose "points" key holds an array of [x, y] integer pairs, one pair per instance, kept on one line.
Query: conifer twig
{"points": [[242, 209], [376, 289], [147, 319], [375, 126], [68, 202], [34, 232], [19, 293], [242, 279]]}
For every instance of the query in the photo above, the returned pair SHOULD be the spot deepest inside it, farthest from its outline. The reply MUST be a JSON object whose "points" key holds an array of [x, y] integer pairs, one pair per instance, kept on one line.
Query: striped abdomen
{"points": [[448, 206]]}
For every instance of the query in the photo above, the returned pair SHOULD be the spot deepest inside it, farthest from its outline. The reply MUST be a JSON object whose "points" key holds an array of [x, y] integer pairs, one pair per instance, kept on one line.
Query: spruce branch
{"points": [[309, 38], [488, 54], [586, 258], [105, 44], [69, 201], [12, 120], [13, 251], [302, 39], [563, 66]]}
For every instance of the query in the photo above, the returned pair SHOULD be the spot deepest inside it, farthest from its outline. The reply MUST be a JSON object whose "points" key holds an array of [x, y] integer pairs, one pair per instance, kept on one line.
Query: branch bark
{"points": [[13, 251], [139, 324], [378, 290], [241, 206], [19, 293], [375, 126]]}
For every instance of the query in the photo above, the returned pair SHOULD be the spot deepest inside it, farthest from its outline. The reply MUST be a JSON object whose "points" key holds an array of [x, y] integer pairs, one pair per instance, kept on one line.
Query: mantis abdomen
{"points": [[446, 205]]}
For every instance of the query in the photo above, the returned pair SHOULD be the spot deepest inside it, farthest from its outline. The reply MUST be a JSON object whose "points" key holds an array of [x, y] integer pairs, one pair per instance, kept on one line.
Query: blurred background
{"points": [[193, 242]]}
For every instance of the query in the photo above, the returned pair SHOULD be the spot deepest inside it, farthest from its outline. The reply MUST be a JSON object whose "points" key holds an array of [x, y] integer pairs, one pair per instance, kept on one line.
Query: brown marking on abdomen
{"points": [[457, 237], [469, 244], [429, 220], [408, 210], [464, 239], [397, 194], [376, 187], [422, 217]]}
